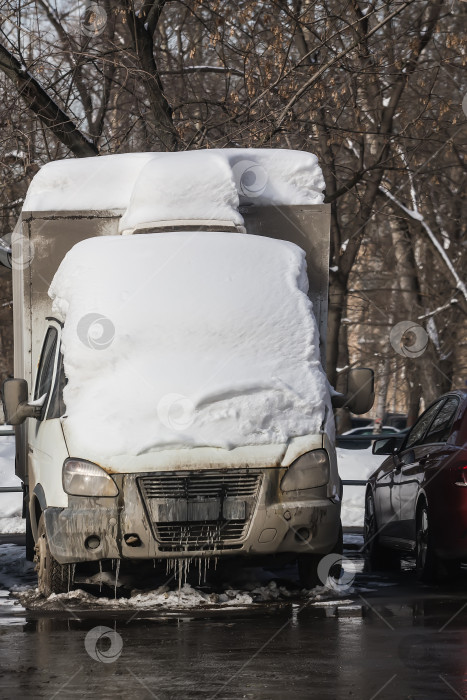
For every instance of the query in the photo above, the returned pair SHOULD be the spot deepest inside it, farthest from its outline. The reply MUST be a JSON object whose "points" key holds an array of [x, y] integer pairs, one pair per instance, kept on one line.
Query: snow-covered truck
{"points": [[170, 398]]}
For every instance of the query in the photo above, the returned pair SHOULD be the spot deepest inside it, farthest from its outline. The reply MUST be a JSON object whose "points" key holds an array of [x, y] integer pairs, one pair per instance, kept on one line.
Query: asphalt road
{"points": [[389, 637]]}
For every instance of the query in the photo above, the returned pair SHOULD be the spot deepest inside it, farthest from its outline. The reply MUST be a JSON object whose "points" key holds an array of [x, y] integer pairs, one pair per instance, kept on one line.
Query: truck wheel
{"points": [[379, 558], [52, 577], [308, 565]]}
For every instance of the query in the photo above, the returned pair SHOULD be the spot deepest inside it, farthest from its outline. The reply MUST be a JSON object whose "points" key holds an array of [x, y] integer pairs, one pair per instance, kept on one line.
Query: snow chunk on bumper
{"points": [[187, 339]]}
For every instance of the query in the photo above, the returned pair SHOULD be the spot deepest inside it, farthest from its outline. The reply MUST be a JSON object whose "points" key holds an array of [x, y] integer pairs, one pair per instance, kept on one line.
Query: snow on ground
{"points": [[355, 464], [10, 503], [230, 358], [18, 576], [169, 598], [16, 573]]}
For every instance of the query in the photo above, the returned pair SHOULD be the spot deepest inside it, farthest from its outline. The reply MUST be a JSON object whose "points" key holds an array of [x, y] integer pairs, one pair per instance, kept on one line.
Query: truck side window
{"points": [[46, 364], [57, 405]]}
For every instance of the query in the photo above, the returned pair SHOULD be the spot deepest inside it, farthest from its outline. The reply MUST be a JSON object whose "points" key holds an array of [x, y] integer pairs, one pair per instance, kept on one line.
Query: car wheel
{"points": [[378, 557], [52, 577], [308, 565]]}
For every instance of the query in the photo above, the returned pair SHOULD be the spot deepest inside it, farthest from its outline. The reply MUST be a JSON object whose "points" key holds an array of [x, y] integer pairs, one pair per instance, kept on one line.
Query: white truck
{"points": [[169, 398]]}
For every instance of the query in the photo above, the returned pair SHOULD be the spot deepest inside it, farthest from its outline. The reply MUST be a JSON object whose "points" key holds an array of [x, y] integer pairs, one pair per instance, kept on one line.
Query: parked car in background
{"points": [[416, 501], [361, 438], [370, 429], [396, 420]]}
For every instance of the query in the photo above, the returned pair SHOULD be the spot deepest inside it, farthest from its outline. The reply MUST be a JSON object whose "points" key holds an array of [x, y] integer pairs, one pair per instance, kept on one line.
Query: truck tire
{"points": [[308, 564], [52, 577]]}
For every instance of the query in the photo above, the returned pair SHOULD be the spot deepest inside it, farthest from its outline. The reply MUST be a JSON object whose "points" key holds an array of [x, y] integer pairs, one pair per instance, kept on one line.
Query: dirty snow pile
{"points": [[10, 503], [186, 597], [187, 339]]}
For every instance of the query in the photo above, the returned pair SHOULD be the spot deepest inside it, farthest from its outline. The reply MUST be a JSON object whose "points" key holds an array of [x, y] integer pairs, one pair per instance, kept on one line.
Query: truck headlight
{"points": [[82, 478], [307, 472]]}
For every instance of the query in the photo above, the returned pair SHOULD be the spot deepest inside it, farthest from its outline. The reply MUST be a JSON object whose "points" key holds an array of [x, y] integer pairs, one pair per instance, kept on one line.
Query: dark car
{"points": [[417, 500]]}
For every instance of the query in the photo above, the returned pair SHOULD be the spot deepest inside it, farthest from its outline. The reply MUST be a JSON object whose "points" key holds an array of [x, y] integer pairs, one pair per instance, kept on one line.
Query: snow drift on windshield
{"points": [[187, 339]]}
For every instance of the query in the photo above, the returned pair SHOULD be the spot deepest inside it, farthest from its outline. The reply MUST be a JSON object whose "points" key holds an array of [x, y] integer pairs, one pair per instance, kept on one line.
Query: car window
{"points": [[418, 431], [441, 427], [46, 364]]}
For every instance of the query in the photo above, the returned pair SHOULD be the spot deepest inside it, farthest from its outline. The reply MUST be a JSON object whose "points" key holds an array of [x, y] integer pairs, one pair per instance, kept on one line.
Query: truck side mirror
{"points": [[360, 389], [15, 402], [360, 392]]}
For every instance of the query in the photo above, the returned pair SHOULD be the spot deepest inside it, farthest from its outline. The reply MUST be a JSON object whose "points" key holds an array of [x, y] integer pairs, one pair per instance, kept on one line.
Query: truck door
{"points": [[46, 449]]}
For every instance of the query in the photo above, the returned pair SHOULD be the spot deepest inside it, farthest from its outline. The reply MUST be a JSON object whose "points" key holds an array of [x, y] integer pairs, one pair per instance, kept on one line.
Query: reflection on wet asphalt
{"points": [[389, 637]]}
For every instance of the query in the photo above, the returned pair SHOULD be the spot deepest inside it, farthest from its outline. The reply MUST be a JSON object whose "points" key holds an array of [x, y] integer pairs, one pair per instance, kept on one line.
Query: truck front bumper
{"points": [[171, 515]]}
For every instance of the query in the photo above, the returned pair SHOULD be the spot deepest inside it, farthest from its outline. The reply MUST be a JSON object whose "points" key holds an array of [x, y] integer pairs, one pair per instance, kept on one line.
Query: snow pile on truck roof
{"points": [[187, 339], [204, 184], [168, 187]]}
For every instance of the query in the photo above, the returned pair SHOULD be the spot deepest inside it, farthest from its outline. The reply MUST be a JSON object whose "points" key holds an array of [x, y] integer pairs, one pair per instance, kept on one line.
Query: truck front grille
{"points": [[204, 484], [201, 537], [200, 511]]}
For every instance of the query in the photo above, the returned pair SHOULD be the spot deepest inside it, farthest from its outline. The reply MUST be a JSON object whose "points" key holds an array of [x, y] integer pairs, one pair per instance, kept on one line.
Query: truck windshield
{"points": [[188, 339]]}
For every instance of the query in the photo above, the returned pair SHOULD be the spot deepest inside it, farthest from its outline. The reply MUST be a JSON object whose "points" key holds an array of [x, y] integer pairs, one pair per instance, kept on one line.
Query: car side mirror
{"points": [[360, 391], [387, 446], [15, 402]]}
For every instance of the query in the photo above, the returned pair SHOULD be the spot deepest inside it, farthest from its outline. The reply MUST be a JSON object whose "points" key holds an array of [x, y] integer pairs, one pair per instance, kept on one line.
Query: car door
{"points": [[439, 452], [409, 473], [387, 512]]}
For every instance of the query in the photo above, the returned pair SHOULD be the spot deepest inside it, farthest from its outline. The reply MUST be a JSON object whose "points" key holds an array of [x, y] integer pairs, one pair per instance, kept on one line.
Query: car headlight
{"points": [[307, 472], [82, 478]]}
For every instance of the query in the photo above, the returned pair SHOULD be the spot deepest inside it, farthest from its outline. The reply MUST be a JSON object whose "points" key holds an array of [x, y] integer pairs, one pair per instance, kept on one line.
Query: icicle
{"points": [[117, 570], [71, 575]]}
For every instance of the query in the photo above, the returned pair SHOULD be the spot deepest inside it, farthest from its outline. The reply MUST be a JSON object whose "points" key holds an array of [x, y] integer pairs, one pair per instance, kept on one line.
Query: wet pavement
{"points": [[382, 636]]}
